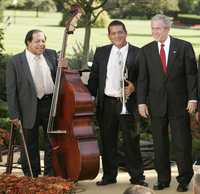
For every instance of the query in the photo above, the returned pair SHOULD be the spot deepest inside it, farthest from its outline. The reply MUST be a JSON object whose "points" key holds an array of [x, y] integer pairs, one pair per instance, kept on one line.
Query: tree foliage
{"points": [[42, 5], [38, 5], [189, 6], [59, 5], [2, 64], [185, 5], [2, 6], [14, 3], [145, 8], [197, 7]]}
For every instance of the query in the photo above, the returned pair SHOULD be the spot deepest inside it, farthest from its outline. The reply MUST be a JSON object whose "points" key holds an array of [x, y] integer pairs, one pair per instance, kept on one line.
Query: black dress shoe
{"points": [[139, 182], [182, 188], [105, 182], [160, 186]]}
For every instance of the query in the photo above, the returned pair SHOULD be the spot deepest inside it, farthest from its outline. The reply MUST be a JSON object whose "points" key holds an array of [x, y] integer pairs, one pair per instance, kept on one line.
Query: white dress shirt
{"points": [[112, 87], [48, 82]]}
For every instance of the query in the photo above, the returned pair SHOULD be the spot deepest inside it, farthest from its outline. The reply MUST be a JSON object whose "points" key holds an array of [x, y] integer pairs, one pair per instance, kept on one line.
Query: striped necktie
{"points": [[39, 78]]}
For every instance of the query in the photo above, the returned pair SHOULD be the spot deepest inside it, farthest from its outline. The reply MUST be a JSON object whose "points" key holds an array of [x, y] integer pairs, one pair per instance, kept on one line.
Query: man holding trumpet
{"points": [[112, 80]]}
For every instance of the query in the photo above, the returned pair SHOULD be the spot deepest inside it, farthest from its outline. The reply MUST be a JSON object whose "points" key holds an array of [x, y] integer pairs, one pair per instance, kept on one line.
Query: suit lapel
{"points": [[172, 52], [105, 62], [130, 54], [27, 71], [48, 62]]}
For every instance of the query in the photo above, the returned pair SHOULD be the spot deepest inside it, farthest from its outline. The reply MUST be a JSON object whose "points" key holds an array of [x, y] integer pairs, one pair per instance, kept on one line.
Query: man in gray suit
{"points": [[30, 81]]}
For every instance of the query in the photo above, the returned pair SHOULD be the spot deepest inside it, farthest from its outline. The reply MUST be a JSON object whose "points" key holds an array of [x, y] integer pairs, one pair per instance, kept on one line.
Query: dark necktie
{"points": [[163, 58]]}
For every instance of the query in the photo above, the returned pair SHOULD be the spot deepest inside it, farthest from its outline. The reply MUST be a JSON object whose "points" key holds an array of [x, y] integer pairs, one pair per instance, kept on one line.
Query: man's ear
{"points": [[109, 37], [28, 42]]}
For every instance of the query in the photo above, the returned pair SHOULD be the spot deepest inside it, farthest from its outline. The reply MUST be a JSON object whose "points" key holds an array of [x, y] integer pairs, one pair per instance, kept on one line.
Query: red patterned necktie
{"points": [[163, 58]]}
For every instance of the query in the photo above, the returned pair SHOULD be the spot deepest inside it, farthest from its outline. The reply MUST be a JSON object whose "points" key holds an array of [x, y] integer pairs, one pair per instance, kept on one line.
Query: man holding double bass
{"points": [[30, 79]]}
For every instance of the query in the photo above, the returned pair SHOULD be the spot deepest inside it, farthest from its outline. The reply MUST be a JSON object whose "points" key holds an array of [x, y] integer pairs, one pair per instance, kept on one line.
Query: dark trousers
{"points": [[181, 142], [111, 122], [32, 141]]}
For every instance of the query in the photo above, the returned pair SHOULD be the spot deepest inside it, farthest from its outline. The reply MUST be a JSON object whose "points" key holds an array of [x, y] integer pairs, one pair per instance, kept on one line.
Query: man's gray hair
{"points": [[166, 20], [196, 183], [137, 189]]}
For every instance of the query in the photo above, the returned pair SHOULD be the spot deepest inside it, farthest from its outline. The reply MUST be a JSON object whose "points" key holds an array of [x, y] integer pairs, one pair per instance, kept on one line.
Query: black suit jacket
{"points": [[167, 93], [21, 92], [97, 79], [199, 84]]}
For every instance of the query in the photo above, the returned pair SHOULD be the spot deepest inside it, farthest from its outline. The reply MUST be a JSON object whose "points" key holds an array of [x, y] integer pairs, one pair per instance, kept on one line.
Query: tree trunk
{"points": [[37, 11], [86, 45]]}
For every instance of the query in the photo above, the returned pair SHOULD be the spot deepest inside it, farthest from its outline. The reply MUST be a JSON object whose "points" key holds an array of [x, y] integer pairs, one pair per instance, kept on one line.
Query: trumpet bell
{"points": [[124, 110]]}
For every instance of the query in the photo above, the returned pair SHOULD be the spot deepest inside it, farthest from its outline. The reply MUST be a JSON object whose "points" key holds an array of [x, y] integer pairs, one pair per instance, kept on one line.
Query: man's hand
{"points": [[129, 89], [191, 107], [63, 62], [16, 122], [143, 110]]}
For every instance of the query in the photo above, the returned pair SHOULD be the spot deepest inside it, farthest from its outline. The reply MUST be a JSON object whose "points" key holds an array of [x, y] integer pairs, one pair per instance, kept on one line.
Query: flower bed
{"points": [[4, 137], [11, 184]]}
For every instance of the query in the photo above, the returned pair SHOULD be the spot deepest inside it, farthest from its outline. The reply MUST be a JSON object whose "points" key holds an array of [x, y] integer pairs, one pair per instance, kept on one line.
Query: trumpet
{"points": [[124, 98]]}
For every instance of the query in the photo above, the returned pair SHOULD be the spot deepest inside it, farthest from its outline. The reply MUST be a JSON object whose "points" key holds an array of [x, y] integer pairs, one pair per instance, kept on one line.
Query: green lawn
{"points": [[139, 32]]}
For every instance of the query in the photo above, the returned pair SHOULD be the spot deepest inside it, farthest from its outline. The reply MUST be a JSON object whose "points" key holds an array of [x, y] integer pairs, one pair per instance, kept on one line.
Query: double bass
{"points": [[75, 153]]}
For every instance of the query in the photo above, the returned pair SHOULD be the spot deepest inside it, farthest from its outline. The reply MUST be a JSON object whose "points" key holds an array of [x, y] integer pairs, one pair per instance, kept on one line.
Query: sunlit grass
{"points": [[23, 21]]}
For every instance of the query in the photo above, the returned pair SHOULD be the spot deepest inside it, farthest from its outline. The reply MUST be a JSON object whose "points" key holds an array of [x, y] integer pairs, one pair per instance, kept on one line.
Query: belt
{"points": [[45, 97], [113, 98]]}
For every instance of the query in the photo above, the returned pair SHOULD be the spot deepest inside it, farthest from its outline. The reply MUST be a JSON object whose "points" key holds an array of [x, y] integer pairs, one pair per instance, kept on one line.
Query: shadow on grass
{"points": [[143, 35], [27, 16], [186, 28], [187, 36], [50, 25], [179, 36]]}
